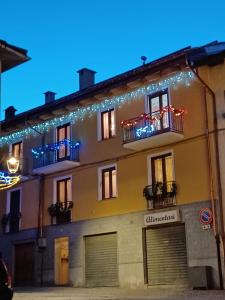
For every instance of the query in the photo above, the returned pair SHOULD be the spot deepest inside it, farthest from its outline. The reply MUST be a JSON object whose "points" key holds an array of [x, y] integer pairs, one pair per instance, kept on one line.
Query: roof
{"points": [[11, 56]]}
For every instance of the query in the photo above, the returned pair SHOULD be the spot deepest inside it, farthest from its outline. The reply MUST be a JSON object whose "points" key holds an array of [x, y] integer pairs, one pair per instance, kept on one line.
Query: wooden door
{"points": [[24, 264], [62, 261]]}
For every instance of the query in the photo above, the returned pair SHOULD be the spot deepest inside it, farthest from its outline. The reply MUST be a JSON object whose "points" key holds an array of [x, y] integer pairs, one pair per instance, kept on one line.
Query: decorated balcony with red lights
{"points": [[157, 128]]}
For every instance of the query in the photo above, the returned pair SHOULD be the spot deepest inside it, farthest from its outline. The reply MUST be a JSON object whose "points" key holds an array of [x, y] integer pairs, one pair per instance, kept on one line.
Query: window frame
{"points": [[54, 198], [153, 95], [100, 124], [20, 143], [155, 156], [101, 171], [55, 186], [67, 150], [65, 180]]}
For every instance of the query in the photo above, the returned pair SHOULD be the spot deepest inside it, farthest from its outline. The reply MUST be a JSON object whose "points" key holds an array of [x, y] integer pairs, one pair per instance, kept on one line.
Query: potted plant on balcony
{"points": [[153, 193], [173, 190], [60, 211]]}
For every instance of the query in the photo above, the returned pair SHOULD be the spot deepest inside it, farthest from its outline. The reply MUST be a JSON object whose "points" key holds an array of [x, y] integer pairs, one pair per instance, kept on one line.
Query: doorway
{"points": [[62, 261]]}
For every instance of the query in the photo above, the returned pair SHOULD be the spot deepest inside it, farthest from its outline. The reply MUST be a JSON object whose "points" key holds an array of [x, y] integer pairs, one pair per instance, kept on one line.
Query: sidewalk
{"points": [[60, 293]]}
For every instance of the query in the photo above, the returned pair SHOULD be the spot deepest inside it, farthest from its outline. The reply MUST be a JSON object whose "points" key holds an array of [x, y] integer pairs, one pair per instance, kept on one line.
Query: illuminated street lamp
{"points": [[7, 180], [13, 165]]}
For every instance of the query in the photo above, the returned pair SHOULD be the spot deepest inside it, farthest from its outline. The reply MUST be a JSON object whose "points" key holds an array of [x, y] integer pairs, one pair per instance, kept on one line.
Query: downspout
{"points": [[40, 234], [41, 189], [40, 224], [216, 210]]}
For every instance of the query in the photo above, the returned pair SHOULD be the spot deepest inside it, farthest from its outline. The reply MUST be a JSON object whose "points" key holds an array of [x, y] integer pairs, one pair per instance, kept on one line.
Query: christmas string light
{"points": [[184, 77], [7, 181], [153, 118], [143, 130], [40, 151]]}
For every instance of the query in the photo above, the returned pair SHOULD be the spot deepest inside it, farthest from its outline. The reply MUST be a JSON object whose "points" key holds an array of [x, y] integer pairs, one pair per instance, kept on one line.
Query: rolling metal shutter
{"points": [[166, 255], [101, 267]]}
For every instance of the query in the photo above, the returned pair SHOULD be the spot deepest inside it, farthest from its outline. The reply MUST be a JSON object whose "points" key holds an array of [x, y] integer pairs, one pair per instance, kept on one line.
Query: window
{"points": [[156, 103], [107, 182], [63, 187], [17, 150], [162, 189], [107, 127], [63, 133], [162, 168], [63, 200]]}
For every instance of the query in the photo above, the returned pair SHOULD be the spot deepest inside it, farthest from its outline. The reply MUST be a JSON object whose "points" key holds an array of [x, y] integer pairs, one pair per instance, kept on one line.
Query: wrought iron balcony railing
{"points": [[10, 222], [148, 125], [60, 212], [53, 153], [161, 194]]}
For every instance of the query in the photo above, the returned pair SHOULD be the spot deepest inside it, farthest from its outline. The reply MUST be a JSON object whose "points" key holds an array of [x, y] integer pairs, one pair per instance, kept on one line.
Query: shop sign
{"points": [[164, 217]]}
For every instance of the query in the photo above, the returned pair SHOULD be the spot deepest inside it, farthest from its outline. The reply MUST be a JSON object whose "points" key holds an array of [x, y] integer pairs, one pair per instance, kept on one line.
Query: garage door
{"points": [[101, 260], [166, 255]]}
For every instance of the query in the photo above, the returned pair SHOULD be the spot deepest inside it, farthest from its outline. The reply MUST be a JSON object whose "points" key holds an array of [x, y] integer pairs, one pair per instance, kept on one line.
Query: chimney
{"points": [[49, 97], [86, 78], [10, 113]]}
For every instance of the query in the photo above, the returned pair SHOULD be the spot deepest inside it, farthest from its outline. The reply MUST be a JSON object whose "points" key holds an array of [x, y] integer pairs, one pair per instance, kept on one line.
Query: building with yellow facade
{"points": [[122, 181]]}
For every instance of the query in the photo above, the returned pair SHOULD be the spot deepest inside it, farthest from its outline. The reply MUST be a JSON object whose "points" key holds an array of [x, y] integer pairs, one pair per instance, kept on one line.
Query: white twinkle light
{"points": [[79, 114]]}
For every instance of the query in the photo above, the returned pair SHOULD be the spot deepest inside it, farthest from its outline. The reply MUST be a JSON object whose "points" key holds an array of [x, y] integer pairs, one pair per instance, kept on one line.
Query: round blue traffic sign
{"points": [[206, 216]]}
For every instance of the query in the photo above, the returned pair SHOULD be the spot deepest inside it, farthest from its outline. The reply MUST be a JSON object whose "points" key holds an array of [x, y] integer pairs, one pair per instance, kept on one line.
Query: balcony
{"points": [[11, 222], [55, 157], [153, 130], [160, 194]]}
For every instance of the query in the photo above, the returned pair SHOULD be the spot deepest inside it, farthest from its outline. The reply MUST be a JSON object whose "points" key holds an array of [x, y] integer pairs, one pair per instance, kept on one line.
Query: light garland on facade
{"points": [[153, 118], [7, 181], [40, 151], [184, 77]]}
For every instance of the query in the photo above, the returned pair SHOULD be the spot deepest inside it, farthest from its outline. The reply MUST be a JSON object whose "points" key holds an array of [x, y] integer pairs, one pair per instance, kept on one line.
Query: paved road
{"points": [[115, 294]]}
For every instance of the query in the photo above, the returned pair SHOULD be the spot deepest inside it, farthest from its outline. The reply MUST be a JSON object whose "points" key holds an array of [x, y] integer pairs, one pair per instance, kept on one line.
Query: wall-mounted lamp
{"points": [[13, 165]]}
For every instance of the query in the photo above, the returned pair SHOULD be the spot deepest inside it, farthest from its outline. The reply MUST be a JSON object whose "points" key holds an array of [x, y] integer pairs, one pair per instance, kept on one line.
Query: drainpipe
{"points": [[40, 234], [219, 209], [41, 218], [41, 188], [40, 224]]}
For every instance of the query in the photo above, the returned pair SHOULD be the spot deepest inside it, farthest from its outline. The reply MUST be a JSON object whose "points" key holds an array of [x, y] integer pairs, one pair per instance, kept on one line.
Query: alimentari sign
{"points": [[162, 217]]}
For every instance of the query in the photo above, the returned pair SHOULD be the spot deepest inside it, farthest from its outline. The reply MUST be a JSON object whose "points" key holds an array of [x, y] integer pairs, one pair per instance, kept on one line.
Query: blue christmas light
{"points": [[143, 130], [80, 113], [40, 151]]}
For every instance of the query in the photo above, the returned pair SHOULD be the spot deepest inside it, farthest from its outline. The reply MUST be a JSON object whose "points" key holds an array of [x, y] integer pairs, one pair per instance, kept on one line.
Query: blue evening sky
{"points": [[108, 36]]}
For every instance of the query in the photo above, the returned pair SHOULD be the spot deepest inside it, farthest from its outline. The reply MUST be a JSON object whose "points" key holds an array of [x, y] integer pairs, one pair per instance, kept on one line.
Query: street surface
{"points": [[63, 293]]}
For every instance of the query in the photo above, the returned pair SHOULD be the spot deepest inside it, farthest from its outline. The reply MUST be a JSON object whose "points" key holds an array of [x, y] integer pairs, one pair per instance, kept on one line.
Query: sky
{"points": [[107, 36]]}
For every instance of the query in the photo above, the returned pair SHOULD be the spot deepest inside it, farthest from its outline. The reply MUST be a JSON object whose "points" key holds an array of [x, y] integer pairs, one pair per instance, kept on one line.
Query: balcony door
{"points": [[64, 198], [157, 103], [62, 134], [162, 169], [162, 181]]}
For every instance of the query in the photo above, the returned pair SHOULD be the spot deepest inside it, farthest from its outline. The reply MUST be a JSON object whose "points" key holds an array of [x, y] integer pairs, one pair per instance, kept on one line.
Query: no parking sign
{"points": [[206, 216]]}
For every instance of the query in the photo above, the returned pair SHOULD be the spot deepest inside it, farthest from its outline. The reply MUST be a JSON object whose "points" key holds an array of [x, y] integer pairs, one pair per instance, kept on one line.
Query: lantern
{"points": [[13, 165]]}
